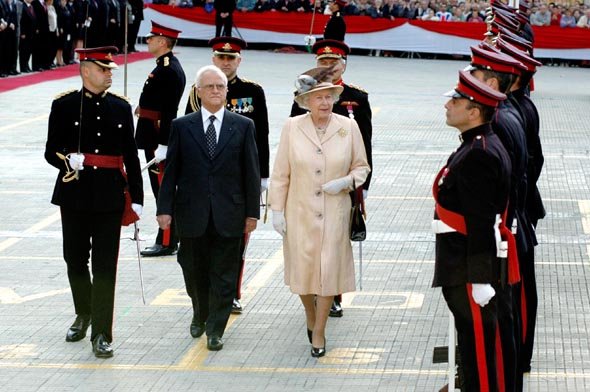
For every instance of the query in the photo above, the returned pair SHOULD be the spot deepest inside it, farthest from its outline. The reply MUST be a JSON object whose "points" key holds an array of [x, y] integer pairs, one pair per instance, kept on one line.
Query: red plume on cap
{"points": [[469, 87]]}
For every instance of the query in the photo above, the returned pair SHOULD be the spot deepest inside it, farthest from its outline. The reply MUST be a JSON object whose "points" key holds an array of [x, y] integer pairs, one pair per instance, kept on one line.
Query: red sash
{"points": [[457, 222], [114, 162]]}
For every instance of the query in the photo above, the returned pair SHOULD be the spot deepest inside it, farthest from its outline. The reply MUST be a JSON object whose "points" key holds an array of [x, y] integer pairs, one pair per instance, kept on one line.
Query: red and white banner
{"points": [[364, 32]]}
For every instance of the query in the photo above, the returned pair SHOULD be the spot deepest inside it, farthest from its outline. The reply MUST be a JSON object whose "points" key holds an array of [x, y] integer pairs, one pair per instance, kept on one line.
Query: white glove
{"points": [[160, 153], [336, 186], [482, 293], [309, 40], [76, 161], [279, 223], [137, 208], [263, 184], [365, 194]]}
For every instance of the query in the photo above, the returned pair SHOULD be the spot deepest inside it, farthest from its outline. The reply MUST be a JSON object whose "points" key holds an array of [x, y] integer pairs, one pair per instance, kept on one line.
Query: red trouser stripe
{"points": [[480, 348], [523, 310], [499, 361], [165, 233]]}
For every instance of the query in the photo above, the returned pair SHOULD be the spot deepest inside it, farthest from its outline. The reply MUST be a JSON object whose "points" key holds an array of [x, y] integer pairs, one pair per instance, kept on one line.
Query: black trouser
{"points": [[476, 337], [9, 51], [508, 329], [527, 302], [210, 268], [226, 23], [166, 237], [95, 235], [25, 49]]}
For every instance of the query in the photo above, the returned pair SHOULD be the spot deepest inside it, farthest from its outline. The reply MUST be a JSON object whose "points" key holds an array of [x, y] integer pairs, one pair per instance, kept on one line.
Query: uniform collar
{"points": [[472, 133], [90, 95], [339, 82], [234, 79]]}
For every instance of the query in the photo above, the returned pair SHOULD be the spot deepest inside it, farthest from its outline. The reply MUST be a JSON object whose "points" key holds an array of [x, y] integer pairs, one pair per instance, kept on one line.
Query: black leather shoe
{"points": [[158, 250], [197, 328], [214, 343], [236, 306], [317, 352], [78, 329], [336, 309], [102, 348]]}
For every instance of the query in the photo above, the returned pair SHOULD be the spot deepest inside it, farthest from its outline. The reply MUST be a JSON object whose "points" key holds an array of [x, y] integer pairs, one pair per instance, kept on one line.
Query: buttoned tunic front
{"points": [[316, 247]]}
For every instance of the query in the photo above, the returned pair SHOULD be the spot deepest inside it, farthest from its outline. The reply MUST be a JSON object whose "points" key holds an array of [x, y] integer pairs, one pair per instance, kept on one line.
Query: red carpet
{"points": [[23, 80]]}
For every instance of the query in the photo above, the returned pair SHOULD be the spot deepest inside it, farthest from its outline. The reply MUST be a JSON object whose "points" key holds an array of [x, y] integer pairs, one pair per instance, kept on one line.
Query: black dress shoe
{"points": [[336, 309], [214, 343], [158, 250], [197, 328], [102, 348], [236, 306], [78, 329], [14, 72]]}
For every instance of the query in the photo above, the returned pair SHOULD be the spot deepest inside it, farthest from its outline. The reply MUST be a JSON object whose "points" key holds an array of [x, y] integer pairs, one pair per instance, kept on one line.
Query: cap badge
{"points": [[227, 46]]}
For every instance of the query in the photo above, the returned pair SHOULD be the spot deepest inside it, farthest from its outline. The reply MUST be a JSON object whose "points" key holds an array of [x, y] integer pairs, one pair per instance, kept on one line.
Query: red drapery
{"points": [[550, 37]]}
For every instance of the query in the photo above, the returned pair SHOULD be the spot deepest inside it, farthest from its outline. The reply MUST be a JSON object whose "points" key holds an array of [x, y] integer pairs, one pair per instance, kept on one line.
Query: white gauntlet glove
{"points": [[338, 185], [482, 293], [137, 208], [263, 184], [279, 223], [160, 153], [76, 161]]}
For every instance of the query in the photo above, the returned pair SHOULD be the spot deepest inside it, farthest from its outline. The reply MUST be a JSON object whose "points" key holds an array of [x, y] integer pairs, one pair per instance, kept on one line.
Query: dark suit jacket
{"points": [[226, 187]]}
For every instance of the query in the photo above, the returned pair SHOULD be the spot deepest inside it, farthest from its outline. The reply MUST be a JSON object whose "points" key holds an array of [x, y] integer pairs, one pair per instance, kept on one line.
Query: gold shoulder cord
{"points": [[70, 174]]}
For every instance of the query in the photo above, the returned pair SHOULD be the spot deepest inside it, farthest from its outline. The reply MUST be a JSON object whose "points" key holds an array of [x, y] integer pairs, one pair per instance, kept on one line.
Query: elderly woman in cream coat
{"points": [[320, 156]]}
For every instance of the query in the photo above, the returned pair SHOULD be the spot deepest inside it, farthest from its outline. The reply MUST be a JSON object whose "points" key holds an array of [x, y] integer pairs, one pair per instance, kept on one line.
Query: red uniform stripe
{"points": [[165, 233], [480, 348]]}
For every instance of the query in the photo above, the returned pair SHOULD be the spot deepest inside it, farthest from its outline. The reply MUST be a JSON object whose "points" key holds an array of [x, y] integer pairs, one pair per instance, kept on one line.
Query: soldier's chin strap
{"points": [[70, 175]]}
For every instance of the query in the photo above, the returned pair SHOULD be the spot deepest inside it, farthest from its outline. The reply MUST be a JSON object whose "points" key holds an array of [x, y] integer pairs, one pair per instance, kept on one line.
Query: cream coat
{"points": [[317, 249]]}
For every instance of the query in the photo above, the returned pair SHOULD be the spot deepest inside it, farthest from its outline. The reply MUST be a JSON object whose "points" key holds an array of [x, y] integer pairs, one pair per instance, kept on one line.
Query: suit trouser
{"points": [[476, 337], [242, 263], [166, 237], [210, 268], [94, 234], [226, 23]]}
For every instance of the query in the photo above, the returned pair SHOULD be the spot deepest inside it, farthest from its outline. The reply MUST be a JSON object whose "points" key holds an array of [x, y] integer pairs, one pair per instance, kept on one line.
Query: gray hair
{"points": [[209, 69]]}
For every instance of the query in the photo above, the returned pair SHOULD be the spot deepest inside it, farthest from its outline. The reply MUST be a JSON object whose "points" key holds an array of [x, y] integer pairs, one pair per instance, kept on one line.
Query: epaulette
{"points": [[124, 98], [61, 95], [479, 141], [250, 81], [358, 88]]}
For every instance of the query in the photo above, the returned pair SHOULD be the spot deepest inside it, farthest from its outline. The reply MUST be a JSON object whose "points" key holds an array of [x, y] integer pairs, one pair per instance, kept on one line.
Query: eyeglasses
{"points": [[211, 87]]}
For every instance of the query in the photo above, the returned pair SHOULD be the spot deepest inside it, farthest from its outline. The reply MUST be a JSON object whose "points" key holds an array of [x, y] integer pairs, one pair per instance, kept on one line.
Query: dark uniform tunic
{"points": [[92, 206], [362, 115], [335, 27], [476, 185], [246, 98], [158, 105]]}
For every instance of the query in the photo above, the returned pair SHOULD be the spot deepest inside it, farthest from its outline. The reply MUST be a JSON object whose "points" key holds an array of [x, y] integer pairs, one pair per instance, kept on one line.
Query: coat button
{"points": [[320, 216], [98, 117], [319, 151], [96, 151], [318, 193], [98, 134], [318, 172], [94, 167]]}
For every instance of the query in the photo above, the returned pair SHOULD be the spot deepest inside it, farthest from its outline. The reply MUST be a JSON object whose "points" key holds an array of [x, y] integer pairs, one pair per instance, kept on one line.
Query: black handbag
{"points": [[358, 229]]}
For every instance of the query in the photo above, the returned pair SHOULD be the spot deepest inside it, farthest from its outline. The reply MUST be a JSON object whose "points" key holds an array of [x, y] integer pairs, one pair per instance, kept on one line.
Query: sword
{"points": [[147, 165], [136, 239], [361, 265]]}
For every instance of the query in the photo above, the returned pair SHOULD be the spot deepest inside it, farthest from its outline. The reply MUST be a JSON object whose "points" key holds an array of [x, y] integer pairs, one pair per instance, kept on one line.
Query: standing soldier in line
{"points": [[246, 98], [90, 140], [336, 27], [527, 300], [353, 103], [471, 193], [158, 106]]}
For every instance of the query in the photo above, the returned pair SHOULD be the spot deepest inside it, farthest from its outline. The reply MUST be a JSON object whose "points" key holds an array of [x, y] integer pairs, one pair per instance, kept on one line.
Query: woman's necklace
{"points": [[321, 130]]}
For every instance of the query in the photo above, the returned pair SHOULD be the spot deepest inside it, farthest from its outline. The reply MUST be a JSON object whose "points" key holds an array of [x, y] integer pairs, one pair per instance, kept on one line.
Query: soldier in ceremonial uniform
{"points": [[471, 193], [158, 106], [335, 27], [353, 103], [247, 98], [90, 140]]}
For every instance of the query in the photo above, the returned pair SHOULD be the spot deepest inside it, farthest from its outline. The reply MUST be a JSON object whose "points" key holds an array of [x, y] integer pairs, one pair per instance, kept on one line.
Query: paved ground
{"points": [[384, 341]]}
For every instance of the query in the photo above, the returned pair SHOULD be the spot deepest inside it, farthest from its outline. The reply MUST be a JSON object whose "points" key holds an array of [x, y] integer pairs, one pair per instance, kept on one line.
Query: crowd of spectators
{"points": [[41, 34], [571, 14]]}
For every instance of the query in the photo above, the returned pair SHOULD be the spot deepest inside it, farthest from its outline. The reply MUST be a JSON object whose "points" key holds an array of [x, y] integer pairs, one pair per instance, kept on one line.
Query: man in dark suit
{"points": [[353, 103], [29, 33], [212, 187], [224, 11], [90, 140], [158, 106]]}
